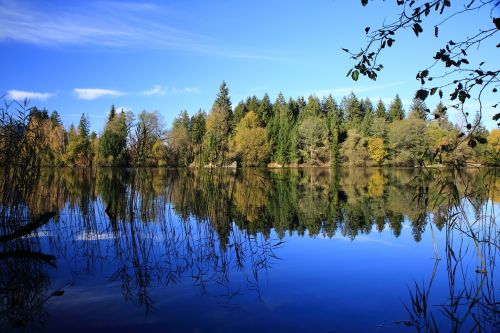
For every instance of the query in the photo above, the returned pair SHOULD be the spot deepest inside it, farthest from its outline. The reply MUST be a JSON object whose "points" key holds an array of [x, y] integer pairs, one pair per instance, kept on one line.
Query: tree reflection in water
{"points": [[215, 229]]}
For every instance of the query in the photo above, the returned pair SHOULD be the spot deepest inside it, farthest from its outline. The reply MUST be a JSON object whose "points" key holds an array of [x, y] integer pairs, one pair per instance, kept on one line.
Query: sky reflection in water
{"points": [[288, 250]]}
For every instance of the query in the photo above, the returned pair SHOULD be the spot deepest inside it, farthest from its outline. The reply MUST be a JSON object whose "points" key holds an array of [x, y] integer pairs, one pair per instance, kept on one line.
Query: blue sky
{"points": [[83, 56]]}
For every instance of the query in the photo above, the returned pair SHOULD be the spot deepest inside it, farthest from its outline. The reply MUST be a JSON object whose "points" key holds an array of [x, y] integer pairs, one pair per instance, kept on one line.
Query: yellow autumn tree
{"points": [[493, 148], [376, 150]]}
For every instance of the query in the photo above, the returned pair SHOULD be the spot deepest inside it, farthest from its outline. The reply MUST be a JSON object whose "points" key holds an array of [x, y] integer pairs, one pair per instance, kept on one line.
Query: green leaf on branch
{"points": [[355, 75]]}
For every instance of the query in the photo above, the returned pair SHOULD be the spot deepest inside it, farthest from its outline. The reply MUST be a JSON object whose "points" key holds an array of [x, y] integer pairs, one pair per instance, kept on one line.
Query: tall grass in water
{"points": [[471, 246]]}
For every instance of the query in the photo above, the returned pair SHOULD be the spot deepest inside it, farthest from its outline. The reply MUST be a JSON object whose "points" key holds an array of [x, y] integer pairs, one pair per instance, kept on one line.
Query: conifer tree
{"points": [[418, 109], [396, 111], [380, 111], [112, 113]]}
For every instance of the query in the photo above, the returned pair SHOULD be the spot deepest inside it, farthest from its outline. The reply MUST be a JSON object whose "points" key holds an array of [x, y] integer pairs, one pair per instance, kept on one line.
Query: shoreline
{"points": [[283, 167]]}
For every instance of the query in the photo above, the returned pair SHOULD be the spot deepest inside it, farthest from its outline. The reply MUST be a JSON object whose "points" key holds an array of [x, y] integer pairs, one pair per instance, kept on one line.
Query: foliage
{"points": [[451, 65], [290, 133], [179, 140], [354, 149], [376, 150], [148, 130], [408, 142], [280, 131], [313, 145], [218, 127], [418, 109], [113, 142], [396, 111], [250, 143]]}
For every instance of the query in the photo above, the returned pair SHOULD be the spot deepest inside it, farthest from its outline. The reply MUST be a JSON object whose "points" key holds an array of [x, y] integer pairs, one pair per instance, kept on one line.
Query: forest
{"points": [[255, 133]]}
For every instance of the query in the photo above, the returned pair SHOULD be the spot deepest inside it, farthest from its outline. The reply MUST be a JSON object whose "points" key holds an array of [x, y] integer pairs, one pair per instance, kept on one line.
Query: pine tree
{"points": [[353, 111], [369, 116], [55, 119], [197, 128], [223, 102], [380, 111], [265, 110], [83, 126], [418, 109], [367, 106], [312, 108], [334, 122], [113, 142], [396, 111], [280, 131], [441, 115], [219, 126], [239, 112], [112, 113]]}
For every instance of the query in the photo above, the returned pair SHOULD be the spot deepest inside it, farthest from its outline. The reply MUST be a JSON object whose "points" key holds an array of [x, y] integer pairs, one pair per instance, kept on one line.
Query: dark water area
{"points": [[308, 250]]}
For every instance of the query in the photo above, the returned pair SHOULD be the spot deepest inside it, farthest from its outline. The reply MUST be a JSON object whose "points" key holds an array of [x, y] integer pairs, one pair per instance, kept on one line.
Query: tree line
{"points": [[259, 132]]}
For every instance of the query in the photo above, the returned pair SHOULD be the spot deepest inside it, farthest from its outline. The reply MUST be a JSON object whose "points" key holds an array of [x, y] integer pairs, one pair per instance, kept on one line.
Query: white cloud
{"points": [[107, 24], [190, 90], [90, 94], [159, 90], [20, 95]]}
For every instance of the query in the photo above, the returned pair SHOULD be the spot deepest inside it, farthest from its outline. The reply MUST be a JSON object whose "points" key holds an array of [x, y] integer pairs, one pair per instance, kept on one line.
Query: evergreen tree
{"points": [[380, 111], [223, 102], [83, 126], [182, 120], [441, 115], [113, 142], [112, 113], [353, 111], [396, 111], [418, 109], [36, 113], [197, 128], [312, 108], [296, 106], [334, 122], [239, 112], [252, 104], [280, 131], [369, 116], [55, 119], [265, 110], [367, 106], [219, 126]]}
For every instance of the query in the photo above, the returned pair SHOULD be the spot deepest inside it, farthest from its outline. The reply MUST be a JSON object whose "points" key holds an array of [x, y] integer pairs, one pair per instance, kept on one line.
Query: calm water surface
{"points": [[252, 250]]}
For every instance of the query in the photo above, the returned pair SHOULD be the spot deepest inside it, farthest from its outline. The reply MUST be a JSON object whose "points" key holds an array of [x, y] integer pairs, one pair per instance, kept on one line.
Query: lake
{"points": [[292, 250]]}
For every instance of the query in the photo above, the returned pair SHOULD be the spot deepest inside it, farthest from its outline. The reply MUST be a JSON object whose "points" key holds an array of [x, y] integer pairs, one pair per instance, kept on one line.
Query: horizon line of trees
{"points": [[258, 132]]}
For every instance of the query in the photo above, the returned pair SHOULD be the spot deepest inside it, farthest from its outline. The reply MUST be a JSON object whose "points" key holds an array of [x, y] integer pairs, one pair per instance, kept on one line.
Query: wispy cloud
{"points": [[344, 91], [106, 24], [123, 108], [159, 90], [20, 95], [90, 94]]}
